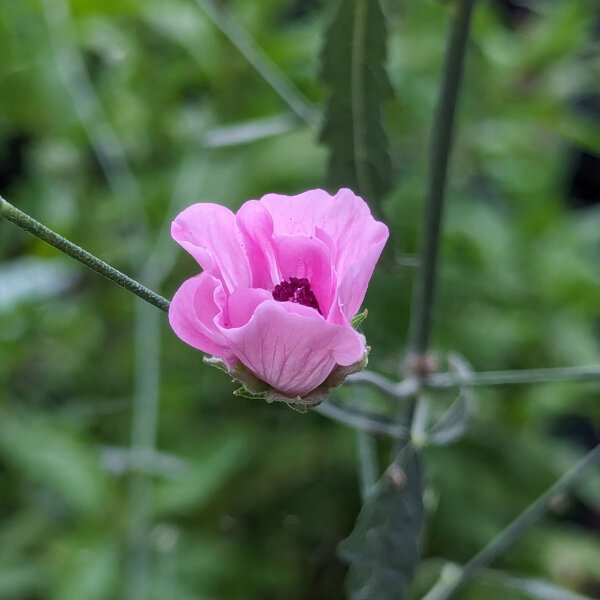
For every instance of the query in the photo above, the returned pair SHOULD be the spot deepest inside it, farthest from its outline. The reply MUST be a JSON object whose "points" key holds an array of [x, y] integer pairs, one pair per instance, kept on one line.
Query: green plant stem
{"points": [[362, 420], [454, 579], [368, 472], [423, 295], [242, 40], [409, 386], [522, 376], [27, 223]]}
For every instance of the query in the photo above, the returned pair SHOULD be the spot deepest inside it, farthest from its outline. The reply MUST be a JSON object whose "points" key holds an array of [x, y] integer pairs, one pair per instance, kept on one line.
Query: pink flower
{"points": [[281, 282]]}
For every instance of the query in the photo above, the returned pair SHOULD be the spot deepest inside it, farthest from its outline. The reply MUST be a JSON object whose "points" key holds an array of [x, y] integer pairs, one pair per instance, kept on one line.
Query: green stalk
{"points": [[424, 291], [453, 580], [27, 223]]}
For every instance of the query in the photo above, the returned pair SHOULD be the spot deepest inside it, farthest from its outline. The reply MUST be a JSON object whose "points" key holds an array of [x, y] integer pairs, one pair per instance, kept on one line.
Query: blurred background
{"points": [[127, 467]]}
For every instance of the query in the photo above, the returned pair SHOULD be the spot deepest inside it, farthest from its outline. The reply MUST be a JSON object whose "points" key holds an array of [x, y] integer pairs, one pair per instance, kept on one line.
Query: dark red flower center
{"points": [[296, 290]]}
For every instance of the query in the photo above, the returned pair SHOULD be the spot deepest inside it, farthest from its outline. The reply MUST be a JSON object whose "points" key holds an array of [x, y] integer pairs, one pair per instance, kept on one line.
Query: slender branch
{"points": [[521, 376], [423, 295], [409, 386], [367, 458], [242, 40], [363, 420], [27, 223], [454, 579], [406, 388]]}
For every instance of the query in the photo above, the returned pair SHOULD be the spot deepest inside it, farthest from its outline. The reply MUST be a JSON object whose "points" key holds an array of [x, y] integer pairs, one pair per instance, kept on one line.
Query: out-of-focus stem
{"points": [[242, 40], [424, 291], [456, 578]]}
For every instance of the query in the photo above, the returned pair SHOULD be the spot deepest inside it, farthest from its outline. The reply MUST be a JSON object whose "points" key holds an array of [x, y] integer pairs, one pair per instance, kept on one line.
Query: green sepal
{"points": [[358, 318], [254, 388]]}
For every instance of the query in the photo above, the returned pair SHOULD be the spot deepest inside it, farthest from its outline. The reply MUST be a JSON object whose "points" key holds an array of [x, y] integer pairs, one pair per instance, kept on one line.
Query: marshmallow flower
{"points": [[280, 284]]}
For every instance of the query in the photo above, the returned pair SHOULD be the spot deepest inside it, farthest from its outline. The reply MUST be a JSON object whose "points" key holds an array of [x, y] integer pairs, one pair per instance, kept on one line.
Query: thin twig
{"points": [[455, 578], [521, 376], [406, 388], [362, 419], [29, 224], [268, 70], [367, 458], [424, 291]]}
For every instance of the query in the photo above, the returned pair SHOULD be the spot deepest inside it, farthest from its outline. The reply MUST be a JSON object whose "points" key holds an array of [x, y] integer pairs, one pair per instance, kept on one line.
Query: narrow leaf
{"points": [[453, 423], [354, 57], [384, 548]]}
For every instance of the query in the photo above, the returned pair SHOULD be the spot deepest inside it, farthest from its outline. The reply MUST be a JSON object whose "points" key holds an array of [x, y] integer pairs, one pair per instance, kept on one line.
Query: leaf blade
{"points": [[384, 548], [353, 68]]}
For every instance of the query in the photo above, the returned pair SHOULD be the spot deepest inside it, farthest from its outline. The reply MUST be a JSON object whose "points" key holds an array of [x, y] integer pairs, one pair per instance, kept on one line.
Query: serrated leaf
{"points": [[384, 548], [353, 69]]}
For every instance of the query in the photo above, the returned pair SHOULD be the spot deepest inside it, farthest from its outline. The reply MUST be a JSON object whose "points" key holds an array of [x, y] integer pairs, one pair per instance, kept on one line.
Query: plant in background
{"points": [[275, 306]]}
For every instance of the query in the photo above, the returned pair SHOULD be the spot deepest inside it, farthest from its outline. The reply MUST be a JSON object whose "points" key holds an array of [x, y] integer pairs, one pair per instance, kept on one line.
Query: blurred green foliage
{"points": [[113, 115]]}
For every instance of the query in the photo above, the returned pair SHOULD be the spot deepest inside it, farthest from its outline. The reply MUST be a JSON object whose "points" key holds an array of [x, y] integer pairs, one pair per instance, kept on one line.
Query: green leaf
{"points": [[57, 458], [384, 548], [353, 69]]}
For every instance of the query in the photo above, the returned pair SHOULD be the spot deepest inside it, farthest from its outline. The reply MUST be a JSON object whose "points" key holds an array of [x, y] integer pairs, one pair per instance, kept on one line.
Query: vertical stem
{"points": [[143, 437], [367, 455], [423, 296]]}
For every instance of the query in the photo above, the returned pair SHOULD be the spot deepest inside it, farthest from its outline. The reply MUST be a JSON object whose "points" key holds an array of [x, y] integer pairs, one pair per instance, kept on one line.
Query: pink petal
{"points": [[242, 304], [192, 315], [299, 256], [300, 214], [256, 226], [353, 285], [343, 220], [291, 347], [209, 233], [353, 230]]}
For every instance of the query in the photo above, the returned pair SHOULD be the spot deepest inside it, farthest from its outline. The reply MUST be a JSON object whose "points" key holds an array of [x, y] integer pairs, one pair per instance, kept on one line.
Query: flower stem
{"points": [[455, 579], [408, 387], [423, 296], [520, 376], [27, 223], [267, 69]]}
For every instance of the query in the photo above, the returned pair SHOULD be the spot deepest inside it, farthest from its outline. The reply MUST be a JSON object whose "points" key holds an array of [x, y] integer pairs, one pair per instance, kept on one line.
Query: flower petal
{"points": [[242, 304], [192, 315], [256, 226], [300, 256], [353, 285], [209, 233], [291, 347], [345, 218]]}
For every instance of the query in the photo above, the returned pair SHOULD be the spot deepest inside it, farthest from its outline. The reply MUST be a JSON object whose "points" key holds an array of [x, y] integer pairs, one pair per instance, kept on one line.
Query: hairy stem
{"points": [[456, 578], [27, 223], [423, 296]]}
